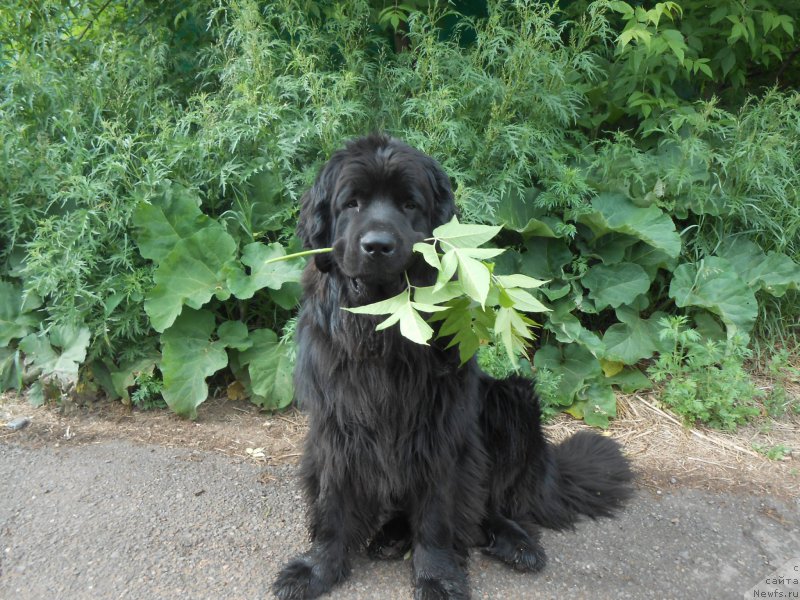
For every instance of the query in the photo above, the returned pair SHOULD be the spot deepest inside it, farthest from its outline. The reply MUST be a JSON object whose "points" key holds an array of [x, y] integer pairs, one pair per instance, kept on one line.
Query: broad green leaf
{"points": [[191, 274], [630, 380], [615, 285], [166, 219], [269, 364], [714, 284], [10, 369], [611, 248], [568, 329], [459, 235], [288, 295], [429, 253], [125, 376], [575, 364], [188, 357], [773, 273], [615, 212], [59, 353], [545, 258], [233, 334], [15, 322], [263, 274], [596, 404], [650, 259], [517, 212], [634, 339]]}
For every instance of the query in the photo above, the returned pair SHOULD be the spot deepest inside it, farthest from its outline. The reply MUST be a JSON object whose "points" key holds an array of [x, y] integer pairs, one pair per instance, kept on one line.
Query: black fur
{"points": [[407, 449]]}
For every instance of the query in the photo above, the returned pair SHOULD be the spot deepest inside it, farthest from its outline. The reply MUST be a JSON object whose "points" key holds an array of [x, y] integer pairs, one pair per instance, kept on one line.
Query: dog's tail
{"points": [[586, 474], [551, 484]]}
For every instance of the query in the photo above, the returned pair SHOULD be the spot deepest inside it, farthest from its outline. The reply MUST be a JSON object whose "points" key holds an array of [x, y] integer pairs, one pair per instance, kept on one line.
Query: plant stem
{"points": [[299, 255]]}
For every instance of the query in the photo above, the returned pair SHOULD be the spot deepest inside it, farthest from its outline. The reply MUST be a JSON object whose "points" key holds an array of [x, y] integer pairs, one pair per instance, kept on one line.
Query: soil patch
{"points": [[664, 451]]}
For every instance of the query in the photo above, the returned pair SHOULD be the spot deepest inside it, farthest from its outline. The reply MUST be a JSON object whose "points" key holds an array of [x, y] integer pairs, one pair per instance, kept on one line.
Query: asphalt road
{"points": [[119, 520]]}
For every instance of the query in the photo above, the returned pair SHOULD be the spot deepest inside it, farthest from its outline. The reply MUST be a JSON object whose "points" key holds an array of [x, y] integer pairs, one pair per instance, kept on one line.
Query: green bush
{"points": [[642, 158]]}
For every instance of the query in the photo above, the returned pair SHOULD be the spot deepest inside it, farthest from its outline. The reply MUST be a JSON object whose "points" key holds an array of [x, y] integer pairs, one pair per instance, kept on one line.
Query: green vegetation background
{"points": [[643, 157]]}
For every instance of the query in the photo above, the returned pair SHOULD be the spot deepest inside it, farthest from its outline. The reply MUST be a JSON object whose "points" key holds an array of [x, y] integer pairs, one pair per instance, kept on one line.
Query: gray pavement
{"points": [[121, 520]]}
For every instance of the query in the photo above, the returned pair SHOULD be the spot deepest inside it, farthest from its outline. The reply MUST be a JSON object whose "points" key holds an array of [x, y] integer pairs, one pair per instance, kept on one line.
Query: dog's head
{"points": [[371, 202]]}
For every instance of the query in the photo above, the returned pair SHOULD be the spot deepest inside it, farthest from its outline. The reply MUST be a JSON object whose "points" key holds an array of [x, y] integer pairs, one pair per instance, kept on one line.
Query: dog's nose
{"points": [[378, 244]]}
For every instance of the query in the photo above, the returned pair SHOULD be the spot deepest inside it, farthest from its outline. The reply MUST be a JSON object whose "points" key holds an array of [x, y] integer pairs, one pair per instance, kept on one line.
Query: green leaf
{"points": [[429, 253], [615, 212], [58, 354], [474, 277], [10, 369], [573, 363], [518, 212], [191, 274], [263, 273], [630, 380], [714, 284], [568, 329], [519, 281], [615, 285], [525, 301], [15, 322], [390, 305], [125, 376], [545, 258], [189, 356], [413, 326], [449, 267], [773, 273], [269, 364], [459, 235], [233, 334], [166, 219], [634, 339], [432, 295], [597, 403]]}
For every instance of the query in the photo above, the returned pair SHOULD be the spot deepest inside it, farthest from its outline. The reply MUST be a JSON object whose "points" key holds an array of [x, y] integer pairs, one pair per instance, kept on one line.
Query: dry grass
{"points": [[664, 451]]}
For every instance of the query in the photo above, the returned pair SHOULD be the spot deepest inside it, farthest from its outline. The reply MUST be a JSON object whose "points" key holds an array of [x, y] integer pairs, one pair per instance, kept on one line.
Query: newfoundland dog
{"points": [[407, 449]]}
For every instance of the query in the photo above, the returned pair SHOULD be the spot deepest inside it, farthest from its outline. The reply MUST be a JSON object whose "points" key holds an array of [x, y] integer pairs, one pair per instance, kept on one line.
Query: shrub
{"points": [[629, 160]]}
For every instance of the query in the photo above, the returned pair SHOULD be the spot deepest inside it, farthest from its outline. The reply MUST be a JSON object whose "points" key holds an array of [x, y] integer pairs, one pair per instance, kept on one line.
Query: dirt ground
{"points": [[664, 452], [101, 501]]}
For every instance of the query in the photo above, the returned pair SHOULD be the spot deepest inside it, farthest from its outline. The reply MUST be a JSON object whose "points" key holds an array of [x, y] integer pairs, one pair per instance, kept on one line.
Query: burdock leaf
{"points": [[193, 272], [265, 271], [188, 357]]}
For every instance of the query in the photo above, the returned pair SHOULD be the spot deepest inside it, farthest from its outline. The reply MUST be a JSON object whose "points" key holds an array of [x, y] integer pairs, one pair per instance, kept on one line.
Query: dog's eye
{"points": [[410, 205], [352, 203]]}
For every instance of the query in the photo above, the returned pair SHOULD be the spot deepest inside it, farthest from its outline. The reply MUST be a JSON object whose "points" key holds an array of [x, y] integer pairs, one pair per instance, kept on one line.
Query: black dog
{"points": [[407, 449]]}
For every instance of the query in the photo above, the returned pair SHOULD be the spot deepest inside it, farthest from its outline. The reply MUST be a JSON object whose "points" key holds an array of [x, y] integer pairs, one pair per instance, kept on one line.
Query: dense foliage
{"points": [[643, 158]]}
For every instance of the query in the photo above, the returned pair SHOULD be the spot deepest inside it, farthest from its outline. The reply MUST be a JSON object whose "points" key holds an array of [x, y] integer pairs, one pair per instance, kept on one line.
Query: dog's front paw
{"points": [[305, 578], [439, 574], [522, 556], [441, 589]]}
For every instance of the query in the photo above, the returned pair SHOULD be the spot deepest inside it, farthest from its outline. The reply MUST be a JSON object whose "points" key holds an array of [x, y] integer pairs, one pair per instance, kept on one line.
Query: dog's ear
{"points": [[444, 203], [315, 224]]}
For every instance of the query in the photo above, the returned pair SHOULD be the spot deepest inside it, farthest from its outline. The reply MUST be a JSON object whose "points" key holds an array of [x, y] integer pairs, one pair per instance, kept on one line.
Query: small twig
{"points": [[94, 18]]}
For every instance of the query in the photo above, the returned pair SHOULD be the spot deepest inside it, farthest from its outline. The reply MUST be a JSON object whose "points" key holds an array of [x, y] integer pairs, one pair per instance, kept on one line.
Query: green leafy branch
{"points": [[473, 304]]}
